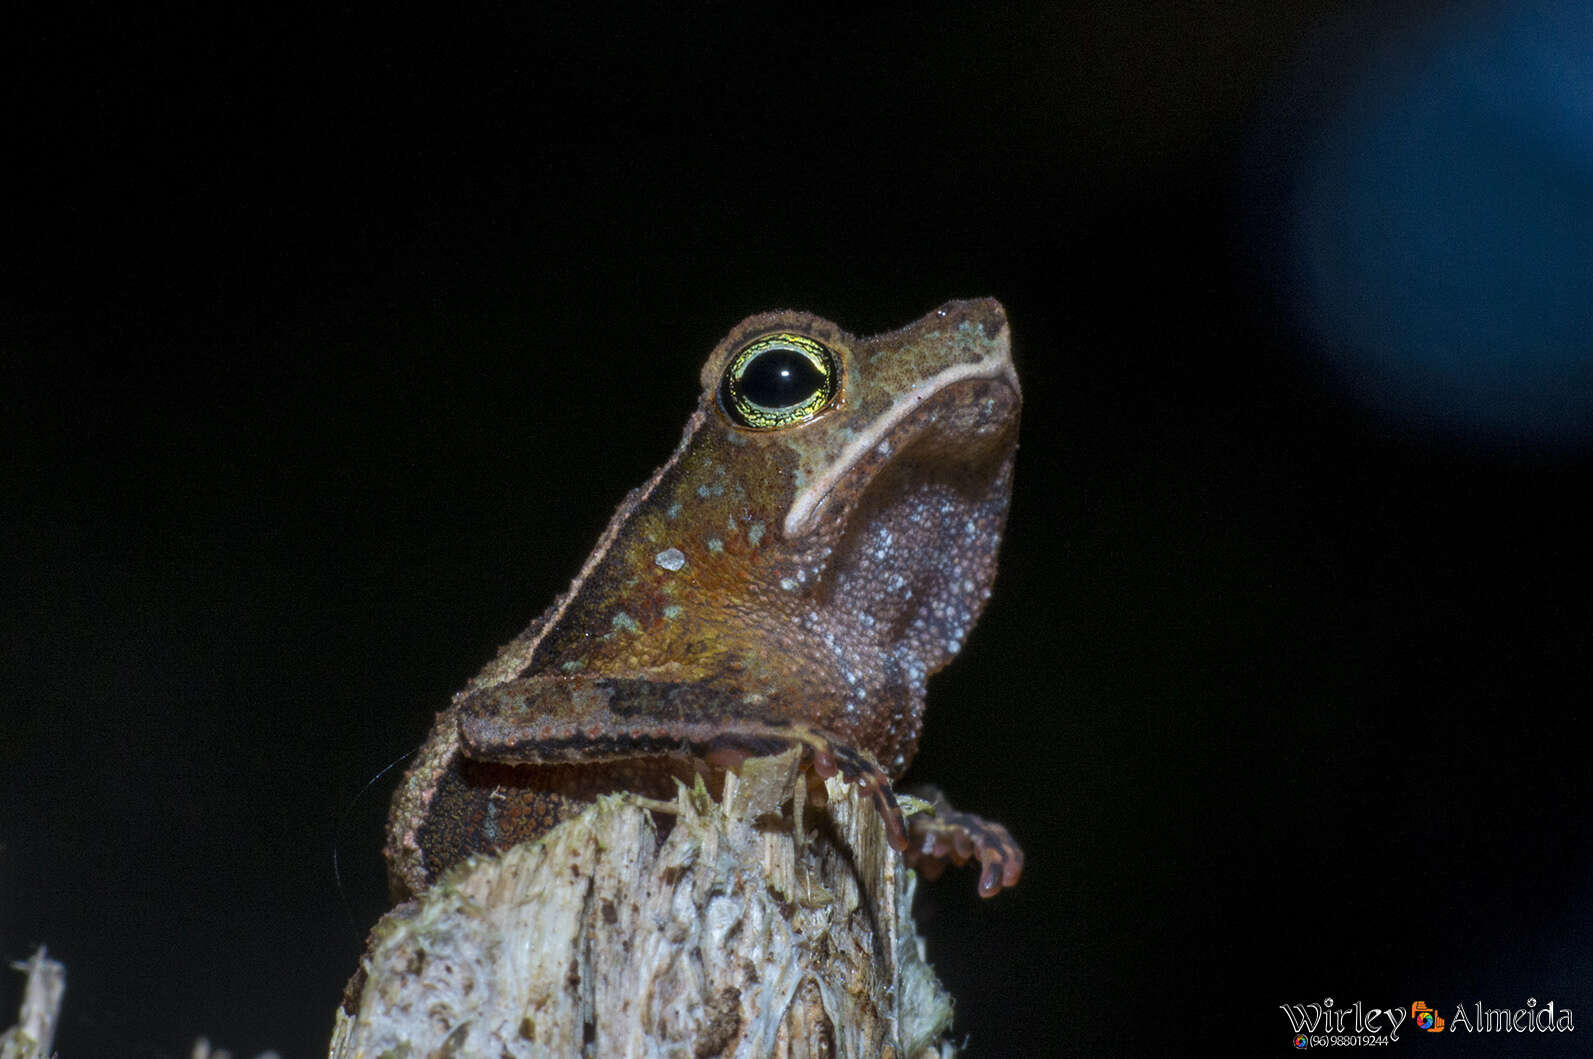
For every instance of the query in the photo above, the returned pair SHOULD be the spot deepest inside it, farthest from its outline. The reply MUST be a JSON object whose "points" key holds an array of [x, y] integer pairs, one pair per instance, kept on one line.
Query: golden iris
{"points": [[779, 380]]}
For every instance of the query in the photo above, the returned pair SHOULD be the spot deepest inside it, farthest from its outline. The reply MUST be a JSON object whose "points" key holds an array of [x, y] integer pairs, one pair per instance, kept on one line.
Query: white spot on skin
{"points": [[716, 545], [670, 559], [674, 511], [755, 533], [673, 611], [788, 584], [626, 622]]}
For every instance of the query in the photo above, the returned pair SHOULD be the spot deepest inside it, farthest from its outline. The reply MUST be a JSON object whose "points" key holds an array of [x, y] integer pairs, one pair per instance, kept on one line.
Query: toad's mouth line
{"points": [[813, 497]]}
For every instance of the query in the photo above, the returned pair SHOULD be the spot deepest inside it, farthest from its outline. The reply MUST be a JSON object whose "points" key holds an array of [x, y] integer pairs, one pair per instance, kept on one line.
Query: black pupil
{"points": [[780, 378]]}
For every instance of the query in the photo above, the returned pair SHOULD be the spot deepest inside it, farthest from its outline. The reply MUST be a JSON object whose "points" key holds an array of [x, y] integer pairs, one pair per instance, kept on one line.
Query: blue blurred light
{"points": [[1439, 234]]}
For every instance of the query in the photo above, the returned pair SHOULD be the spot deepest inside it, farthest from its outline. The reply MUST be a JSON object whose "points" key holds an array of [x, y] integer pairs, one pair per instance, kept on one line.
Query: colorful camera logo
{"points": [[1426, 1018], [1300, 1041]]}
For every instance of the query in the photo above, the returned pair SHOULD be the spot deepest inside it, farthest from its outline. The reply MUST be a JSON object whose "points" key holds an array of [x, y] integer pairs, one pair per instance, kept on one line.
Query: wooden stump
{"points": [[738, 935]]}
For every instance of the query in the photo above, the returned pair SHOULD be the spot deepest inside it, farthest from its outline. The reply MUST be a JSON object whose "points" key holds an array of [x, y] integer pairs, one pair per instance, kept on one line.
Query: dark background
{"points": [[331, 340]]}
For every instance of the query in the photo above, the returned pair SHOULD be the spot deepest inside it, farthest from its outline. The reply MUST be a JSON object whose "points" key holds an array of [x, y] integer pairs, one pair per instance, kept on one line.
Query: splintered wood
{"points": [[738, 935]]}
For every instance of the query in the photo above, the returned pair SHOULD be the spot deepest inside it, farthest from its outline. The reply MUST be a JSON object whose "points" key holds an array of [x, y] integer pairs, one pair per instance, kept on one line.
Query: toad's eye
{"points": [[779, 380]]}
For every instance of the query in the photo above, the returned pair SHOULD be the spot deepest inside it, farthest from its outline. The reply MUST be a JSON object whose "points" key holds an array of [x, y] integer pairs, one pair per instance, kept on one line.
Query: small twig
{"points": [[34, 1032]]}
